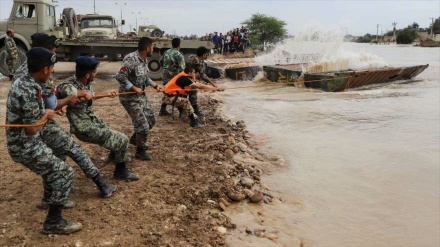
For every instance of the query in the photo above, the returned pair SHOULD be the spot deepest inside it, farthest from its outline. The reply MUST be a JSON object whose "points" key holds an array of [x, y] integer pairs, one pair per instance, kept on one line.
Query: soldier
{"points": [[25, 105], [176, 90], [198, 63], [173, 63], [85, 125], [64, 145], [12, 58], [132, 77]]}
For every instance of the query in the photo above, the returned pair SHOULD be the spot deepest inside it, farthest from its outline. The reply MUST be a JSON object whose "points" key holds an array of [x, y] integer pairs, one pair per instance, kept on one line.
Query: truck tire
{"points": [[71, 21], [154, 67], [3, 66], [157, 33]]}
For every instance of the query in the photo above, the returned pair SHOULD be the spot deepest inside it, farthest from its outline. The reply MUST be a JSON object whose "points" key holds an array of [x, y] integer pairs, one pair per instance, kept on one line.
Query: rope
{"points": [[25, 125]]}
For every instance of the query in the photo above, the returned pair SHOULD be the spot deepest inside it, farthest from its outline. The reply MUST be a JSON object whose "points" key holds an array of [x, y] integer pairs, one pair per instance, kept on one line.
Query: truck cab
{"points": [[98, 27]]}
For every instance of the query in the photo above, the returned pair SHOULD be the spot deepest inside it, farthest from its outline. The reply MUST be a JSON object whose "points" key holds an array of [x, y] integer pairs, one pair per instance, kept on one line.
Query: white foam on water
{"points": [[320, 49]]}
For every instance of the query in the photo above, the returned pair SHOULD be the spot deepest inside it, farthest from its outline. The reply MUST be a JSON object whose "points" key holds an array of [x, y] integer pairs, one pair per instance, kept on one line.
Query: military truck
{"points": [[97, 26], [30, 16], [150, 31]]}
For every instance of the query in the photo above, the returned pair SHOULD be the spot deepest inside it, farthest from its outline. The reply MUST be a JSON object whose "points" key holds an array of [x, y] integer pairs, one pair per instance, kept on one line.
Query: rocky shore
{"points": [[182, 198]]}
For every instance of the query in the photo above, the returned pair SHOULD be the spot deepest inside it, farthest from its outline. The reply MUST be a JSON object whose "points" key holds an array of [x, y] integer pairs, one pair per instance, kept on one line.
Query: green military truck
{"points": [[30, 16]]}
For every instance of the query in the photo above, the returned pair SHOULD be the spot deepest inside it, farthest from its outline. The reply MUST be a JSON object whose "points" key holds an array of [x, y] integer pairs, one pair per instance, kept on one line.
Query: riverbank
{"points": [[195, 175]]}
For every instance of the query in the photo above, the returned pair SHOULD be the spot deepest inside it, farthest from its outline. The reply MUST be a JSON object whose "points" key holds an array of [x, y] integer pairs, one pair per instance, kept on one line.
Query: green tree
{"points": [[436, 27], [263, 28], [406, 36], [367, 38]]}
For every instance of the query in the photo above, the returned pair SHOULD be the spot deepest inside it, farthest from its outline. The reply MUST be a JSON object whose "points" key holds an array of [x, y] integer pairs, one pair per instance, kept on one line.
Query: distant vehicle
{"points": [[86, 35], [150, 31], [97, 26]]}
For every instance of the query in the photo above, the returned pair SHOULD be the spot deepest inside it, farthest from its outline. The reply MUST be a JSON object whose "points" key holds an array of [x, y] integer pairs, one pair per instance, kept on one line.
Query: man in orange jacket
{"points": [[177, 89]]}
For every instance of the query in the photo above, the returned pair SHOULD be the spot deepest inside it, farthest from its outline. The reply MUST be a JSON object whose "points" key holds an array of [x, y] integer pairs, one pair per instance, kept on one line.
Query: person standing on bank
{"points": [[176, 90], [25, 105], [132, 77], [173, 62], [64, 144], [12, 58], [197, 61], [85, 125]]}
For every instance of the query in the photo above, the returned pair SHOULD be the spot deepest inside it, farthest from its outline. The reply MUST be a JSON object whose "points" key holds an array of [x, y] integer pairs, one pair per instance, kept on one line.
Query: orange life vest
{"points": [[171, 87]]}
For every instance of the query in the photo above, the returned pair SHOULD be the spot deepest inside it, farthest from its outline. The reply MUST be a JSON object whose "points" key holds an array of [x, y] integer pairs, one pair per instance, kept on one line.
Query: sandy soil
{"points": [[194, 176]]}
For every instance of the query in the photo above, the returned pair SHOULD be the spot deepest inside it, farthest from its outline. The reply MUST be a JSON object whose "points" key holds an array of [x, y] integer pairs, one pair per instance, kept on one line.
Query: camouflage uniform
{"points": [[25, 105], [86, 126], [134, 72], [200, 68], [12, 58], [64, 145], [172, 63], [181, 103]]}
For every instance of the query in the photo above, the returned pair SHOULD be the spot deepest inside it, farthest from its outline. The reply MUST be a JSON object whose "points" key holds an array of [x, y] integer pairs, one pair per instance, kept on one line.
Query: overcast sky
{"points": [[185, 17]]}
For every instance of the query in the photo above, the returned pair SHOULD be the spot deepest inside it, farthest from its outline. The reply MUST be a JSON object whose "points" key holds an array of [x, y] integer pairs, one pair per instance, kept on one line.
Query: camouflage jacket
{"points": [[11, 48], [24, 105], [134, 71], [48, 88], [81, 116], [172, 63], [199, 66]]}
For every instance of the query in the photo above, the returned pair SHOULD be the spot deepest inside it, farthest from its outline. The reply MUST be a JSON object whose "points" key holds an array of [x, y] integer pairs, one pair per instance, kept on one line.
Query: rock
{"points": [[229, 153], [222, 230], [256, 197], [271, 236], [224, 201], [236, 196], [211, 202], [264, 187], [247, 182], [181, 208], [248, 231], [222, 206]]}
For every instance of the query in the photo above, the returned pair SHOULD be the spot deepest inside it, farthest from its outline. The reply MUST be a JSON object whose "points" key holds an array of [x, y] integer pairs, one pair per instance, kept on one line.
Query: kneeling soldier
{"points": [[177, 89], [25, 105]]}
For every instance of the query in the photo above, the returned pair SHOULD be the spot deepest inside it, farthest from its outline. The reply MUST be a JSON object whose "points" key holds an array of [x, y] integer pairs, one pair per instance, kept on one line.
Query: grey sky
{"points": [[186, 17]]}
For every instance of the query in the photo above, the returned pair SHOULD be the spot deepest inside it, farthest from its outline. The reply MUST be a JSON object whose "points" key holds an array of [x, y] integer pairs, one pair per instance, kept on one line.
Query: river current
{"points": [[362, 165]]}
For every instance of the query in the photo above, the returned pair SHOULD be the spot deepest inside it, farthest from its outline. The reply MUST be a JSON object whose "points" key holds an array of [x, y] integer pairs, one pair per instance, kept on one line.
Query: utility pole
{"points": [[121, 5], [394, 30], [432, 28], [377, 31], [94, 7]]}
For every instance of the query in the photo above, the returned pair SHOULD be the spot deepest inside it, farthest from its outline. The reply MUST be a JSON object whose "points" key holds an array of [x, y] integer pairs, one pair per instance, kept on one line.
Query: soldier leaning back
{"points": [[25, 105], [85, 125], [64, 145]]}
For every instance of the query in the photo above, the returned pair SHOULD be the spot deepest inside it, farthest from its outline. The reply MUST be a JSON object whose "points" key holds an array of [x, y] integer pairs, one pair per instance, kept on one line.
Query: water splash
{"points": [[320, 49]]}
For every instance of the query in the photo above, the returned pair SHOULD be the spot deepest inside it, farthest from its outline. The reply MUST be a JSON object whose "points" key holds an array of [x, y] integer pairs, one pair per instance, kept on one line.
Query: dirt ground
{"points": [[194, 175]]}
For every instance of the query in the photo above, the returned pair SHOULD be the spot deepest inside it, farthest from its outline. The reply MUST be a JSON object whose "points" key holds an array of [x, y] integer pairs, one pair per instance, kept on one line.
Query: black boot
{"points": [[55, 224], [122, 173], [163, 110], [105, 188], [197, 110], [181, 114], [194, 122], [141, 154]]}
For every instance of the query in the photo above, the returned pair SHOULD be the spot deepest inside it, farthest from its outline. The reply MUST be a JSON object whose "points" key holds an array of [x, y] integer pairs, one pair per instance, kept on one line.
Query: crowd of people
{"points": [[35, 140], [236, 40]]}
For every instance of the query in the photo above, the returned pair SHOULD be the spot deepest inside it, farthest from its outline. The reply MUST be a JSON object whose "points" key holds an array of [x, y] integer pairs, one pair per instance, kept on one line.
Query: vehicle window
{"points": [[25, 11], [50, 11], [90, 23]]}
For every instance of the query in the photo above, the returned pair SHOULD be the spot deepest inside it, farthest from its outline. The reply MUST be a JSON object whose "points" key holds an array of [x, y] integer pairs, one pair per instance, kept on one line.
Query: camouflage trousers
{"points": [[180, 102], [192, 97], [62, 144], [142, 118], [13, 63], [56, 174], [110, 139]]}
